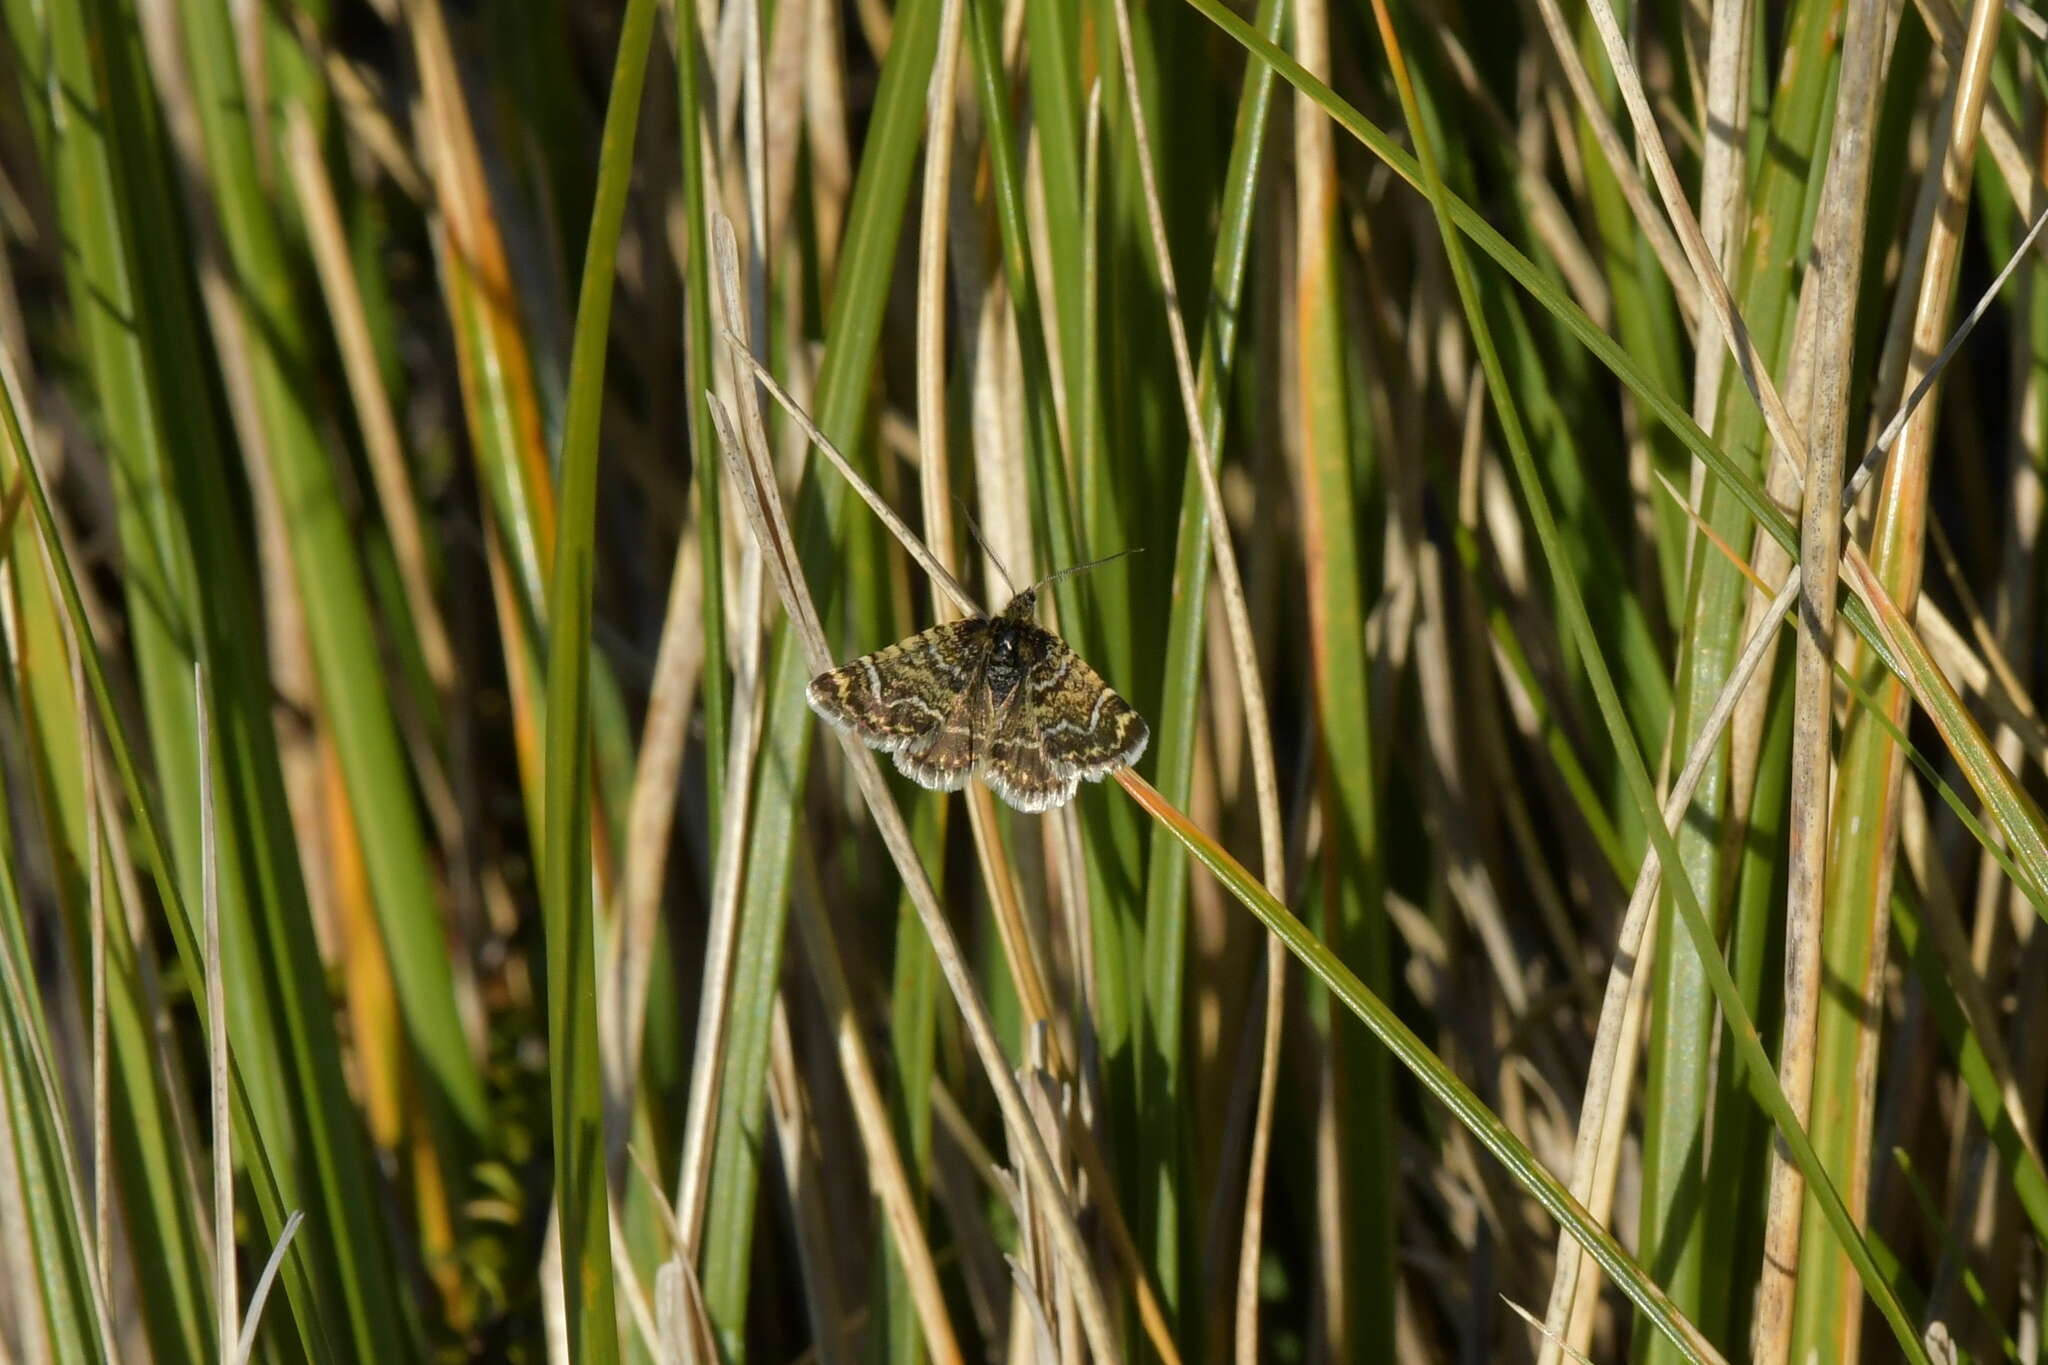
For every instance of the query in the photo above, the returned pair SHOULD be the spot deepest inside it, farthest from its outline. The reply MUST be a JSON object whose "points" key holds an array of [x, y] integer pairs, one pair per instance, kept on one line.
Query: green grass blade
{"points": [[1429, 1069], [46, 1161], [698, 351], [356, 703], [1762, 1078], [1175, 722], [841, 408], [577, 1083], [1680, 1219], [1335, 443]]}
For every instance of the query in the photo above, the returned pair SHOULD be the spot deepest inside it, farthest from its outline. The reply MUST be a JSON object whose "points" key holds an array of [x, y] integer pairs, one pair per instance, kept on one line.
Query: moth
{"points": [[999, 697]]}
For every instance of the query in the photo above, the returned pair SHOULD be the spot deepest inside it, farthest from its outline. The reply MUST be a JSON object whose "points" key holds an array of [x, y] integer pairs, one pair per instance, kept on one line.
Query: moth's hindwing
{"points": [[944, 757], [1016, 766]]}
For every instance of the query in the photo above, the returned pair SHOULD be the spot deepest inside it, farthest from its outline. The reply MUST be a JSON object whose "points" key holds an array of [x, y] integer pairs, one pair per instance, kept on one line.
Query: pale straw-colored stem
{"points": [[748, 464]]}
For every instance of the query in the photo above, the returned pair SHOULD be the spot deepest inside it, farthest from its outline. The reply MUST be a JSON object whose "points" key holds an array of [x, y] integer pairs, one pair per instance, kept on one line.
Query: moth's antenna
{"points": [[975, 531], [1051, 579]]}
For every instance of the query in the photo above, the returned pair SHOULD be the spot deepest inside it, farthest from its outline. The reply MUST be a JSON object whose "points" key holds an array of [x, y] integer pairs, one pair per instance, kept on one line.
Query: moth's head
{"points": [[1022, 605]]}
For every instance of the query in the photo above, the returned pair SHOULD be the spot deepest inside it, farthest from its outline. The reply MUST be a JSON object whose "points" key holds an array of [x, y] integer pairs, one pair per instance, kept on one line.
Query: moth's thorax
{"points": [[1014, 648]]}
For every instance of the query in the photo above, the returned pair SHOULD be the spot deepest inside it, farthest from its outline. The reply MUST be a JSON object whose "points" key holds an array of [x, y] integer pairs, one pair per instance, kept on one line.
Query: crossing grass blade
{"points": [[1437, 1078], [841, 407], [1441, 363]]}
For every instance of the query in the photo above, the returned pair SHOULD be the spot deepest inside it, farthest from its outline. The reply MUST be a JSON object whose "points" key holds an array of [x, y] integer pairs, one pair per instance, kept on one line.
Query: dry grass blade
{"points": [[1020, 948], [102, 1117], [1838, 236], [796, 1136], [686, 1333], [700, 1119], [1712, 283], [1552, 1342], [1860, 896], [887, 515], [1655, 229], [1723, 191], [888, 1175], [1251, 1238], [1603, 1073], [650, 823], [757, 485], [693, 1180], [379, 426], [245, 1349], [1610, 1063], [935, 476], [638, 1311], [480, 275]]}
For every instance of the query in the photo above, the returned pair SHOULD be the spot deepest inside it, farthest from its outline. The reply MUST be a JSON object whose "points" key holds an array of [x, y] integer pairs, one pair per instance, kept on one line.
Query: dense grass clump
{"points": [[1588, 467]]}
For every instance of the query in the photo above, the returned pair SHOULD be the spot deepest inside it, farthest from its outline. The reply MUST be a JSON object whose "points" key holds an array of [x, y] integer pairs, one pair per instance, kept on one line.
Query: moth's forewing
{"points": [[927, 701], [895, 698], [1086, 729]]}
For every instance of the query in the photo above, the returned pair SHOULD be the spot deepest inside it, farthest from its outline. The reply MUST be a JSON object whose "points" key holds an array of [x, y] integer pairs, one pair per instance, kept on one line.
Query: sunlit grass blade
{"points": [[329, 580], [581, 1194], [841, 403], [1679, 1223], [1429, 1069], [1762, 1078]]}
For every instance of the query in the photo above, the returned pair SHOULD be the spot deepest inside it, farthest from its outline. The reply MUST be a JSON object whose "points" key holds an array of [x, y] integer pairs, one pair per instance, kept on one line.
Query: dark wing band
{"points": [[1087, 730]]}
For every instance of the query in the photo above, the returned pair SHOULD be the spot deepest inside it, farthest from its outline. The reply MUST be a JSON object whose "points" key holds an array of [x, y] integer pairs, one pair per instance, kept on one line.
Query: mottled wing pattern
{"points": [[902, 697], [1016, 766], [1086, 730], [927, 701], [943, 758]]}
